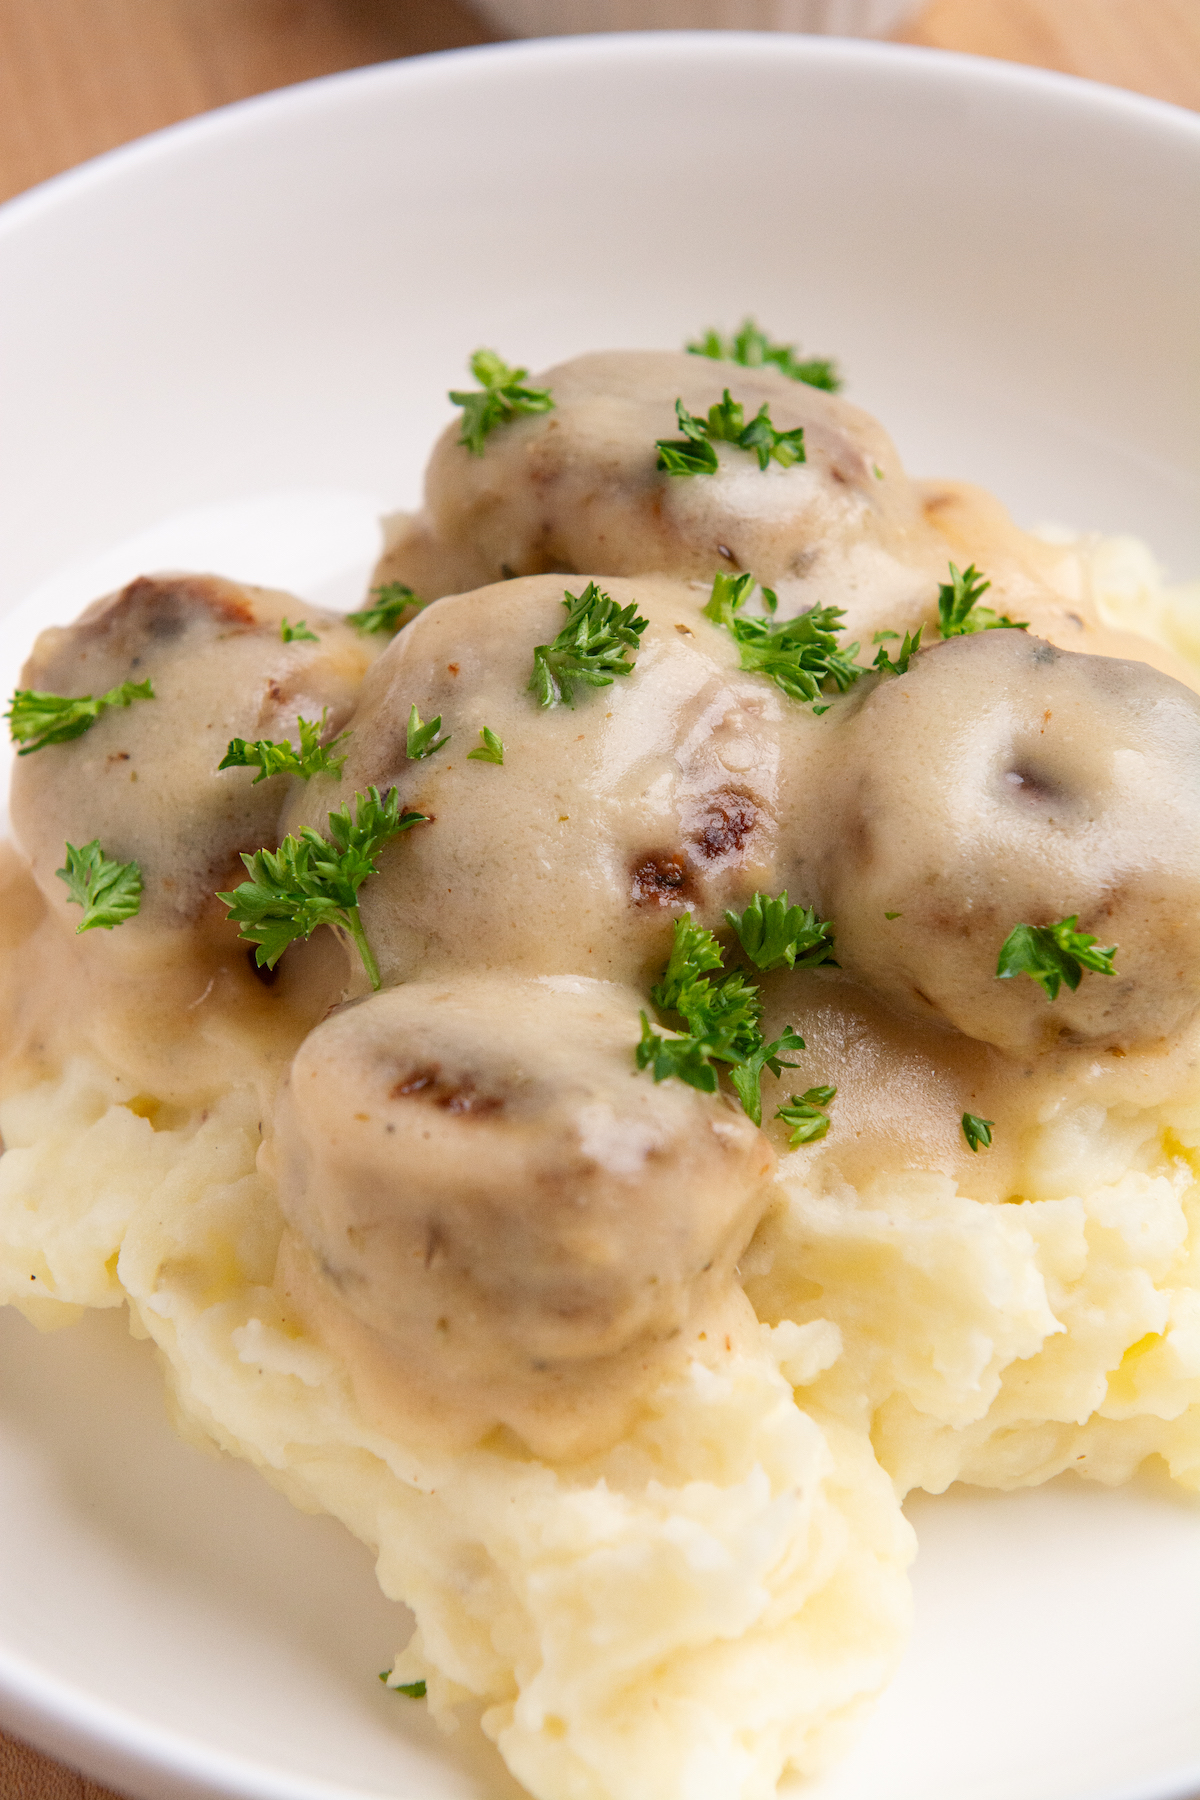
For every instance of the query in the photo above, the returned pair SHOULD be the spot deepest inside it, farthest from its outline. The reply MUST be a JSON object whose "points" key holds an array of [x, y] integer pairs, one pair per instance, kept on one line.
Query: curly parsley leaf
{"points": [[503, 394], [754, 350], [311, 881], [959, 611], [491, 750], [693, 453], [414, 1690], [1052, 954], [722, 1020], [799, 655], [56, 719], [422, 739], [806, 1115], [746, 1077], [775, 935], [977, 1131], [272, 758], [908, 649], [394, 605], [591, 648], [297, 633], [109, 892]]}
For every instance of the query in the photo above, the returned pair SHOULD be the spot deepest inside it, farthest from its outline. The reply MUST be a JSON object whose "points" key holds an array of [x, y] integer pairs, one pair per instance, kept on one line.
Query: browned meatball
{"points": [[1002, 781], [488, 1187], [144, 779]]}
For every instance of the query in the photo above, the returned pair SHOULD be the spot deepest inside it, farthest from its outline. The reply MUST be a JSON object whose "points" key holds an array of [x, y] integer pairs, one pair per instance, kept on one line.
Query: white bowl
{"points": [[245, 327]]}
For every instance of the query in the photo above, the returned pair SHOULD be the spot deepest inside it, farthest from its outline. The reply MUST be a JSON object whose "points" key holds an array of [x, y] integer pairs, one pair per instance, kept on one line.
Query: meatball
{"points": [[1003, 782], [488, 1188], [578, 488], [646, 798], [144, 779]]}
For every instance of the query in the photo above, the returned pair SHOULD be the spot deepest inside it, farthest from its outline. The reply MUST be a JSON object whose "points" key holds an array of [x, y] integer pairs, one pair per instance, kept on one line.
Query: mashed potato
{"points": [[687, 1605]]}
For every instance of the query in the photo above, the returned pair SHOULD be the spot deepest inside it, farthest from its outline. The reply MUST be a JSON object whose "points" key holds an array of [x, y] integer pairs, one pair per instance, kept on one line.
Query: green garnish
{"points": [[894, 915], [392, 601], [799, 655], [775, 935], [977, 1131], [754, 350], [806, 1115], [272, 758], [693, 453], [1052, 954], [55, 719], [414, 1689], [298, 633], [109, 892], [959, 611], [908, 649], [502, 395], [310, 881], [491, 750], [423, 740], [591, 647], [722, 1023]]}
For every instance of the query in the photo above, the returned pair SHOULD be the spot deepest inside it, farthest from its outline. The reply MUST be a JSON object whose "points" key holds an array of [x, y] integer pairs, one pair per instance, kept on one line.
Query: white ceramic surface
{"points": [[555, 18], [233, 338]]}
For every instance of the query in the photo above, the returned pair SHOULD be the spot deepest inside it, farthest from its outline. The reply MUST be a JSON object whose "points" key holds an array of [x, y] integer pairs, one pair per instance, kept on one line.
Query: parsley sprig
{"points": [[959, 611], [898, 665], [806, 1115], [693, 453], [56, 719], [591, 648], [272, 758], [109, 892], [392, 602], [502, 395], [311, 881], [754, 350], [722, 1023], [1052, 954], [799, 655], [297, 633], [977, 1131], [775, 935], [421, 739], [413, 1690], [490, 750]]}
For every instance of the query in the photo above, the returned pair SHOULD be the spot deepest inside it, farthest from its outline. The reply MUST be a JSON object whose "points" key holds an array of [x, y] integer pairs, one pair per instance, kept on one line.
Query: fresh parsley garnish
{"points": [[310, 881], [297, 633], [423, 739], [959, 611], [56, 719], [722, 1023], [799, 655], [908, 649], [693, 453], [415, 1690], [109, 892], [775, 935], [754, 350], [977, 1131], [1052, 954], [391, 602], [491, 750], [592, 647], [272, 758], [502, 395], [806, 1115]]}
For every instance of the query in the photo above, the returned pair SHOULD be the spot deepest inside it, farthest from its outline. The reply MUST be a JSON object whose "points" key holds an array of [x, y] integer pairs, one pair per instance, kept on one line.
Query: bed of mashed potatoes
{"points": [[711, 1600]]}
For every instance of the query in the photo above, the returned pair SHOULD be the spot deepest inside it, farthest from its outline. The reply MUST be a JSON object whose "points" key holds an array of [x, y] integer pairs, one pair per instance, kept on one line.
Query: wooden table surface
{"points": [[81, 76]]}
